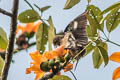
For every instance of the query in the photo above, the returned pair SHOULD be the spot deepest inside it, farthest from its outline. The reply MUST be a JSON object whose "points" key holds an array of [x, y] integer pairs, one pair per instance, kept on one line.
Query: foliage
{"points": [[60, 58]]}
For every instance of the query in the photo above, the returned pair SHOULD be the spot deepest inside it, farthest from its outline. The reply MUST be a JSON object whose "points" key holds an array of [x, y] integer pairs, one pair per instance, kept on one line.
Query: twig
{"points": [[9, 51], [73, 75], [110, 41], [5, 12], [29, 4]]}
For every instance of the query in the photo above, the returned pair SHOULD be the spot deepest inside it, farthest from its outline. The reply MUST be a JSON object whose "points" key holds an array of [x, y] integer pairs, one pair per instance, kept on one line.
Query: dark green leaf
{"points": [[114, 6], [1, 64], [70, 3], [43, 8], [41, 37], [28, 16], [60, 77], [3, 39], [97, 60], [94, 18], [112, 20], [103, 54], [51, 33]]}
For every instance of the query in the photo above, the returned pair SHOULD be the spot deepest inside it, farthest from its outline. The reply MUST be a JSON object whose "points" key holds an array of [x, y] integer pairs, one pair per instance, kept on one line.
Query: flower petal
{"points": [[116, 74], [29, 27], [68, 67], [39, 75], [36, 26], [115, 57], [19, 28]]}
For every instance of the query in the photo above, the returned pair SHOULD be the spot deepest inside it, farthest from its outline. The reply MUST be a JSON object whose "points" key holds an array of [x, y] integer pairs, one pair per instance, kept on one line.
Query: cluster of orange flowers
{"points": [[30, 27], [39, 58], [116, 57]]}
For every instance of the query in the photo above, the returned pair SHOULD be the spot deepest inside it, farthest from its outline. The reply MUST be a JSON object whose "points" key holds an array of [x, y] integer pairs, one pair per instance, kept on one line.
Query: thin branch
{"points": [[9, 51], [110, 41], [29, 4], [73, 75], [5, 12]]}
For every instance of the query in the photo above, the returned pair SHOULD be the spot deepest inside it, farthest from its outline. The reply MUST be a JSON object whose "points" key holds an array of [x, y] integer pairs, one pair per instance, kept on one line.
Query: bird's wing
{"points": [[78, 28]]}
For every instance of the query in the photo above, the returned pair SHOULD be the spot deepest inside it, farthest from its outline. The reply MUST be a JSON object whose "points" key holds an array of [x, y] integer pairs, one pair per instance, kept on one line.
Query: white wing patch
{"points": [[75, 25]]}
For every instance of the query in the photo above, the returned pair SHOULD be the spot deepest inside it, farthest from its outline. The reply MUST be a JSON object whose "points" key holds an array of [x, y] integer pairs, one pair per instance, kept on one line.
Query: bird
{"points": [[74, 38]]}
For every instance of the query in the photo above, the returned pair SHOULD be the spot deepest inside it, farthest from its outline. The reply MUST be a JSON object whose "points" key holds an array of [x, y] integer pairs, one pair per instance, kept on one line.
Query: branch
{"points": [[9, 51], [5, 12]]}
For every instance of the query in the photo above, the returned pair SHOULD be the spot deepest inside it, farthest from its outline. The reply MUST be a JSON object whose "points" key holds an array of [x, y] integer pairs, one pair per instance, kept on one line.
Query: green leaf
{"points": [[51, 33], [42, 37], [112, 20], [43, 8], [70, 3], [1, 64], [3, 39], [97, 60], [94, 18], [114, 6], [90, 34], [89, 48], [103, 54], [104, 45], [60, 77], [28, 16]]}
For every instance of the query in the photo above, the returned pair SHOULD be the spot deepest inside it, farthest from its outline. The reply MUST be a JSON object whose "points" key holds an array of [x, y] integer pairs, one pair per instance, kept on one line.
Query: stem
{"points": [[73, 75], [105, 35], [5, 12], [9, 51], [111, 41], [29, 4]]}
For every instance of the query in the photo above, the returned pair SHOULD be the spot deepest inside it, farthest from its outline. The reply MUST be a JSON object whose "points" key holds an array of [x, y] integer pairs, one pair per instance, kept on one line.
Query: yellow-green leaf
{"points": [[60, 77], [112, 7], [89, 48], [51, 33], [94, 18], [104, 54], [70, 3], [28, 16], [43, 8], [3, 39], [112, 20], [41, 37], [97, 60], [1, 64]]}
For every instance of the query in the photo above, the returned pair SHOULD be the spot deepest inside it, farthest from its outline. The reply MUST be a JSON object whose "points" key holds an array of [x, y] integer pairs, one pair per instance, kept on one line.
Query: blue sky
{"points": [[61, 18]]}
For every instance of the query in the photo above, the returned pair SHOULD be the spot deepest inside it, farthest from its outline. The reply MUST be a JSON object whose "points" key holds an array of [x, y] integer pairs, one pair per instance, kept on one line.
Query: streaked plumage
{"points": [[75, 37]]}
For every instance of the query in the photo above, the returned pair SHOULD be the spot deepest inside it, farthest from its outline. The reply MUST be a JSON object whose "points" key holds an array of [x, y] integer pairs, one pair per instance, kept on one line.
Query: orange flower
{"points": [[116, 57], [1, 50], [55, 53], [35, 65], [29, 27], [68, 67], [38, 59]]}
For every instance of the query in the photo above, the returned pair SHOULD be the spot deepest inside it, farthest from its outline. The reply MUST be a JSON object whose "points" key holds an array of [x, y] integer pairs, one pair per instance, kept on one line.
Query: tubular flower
{"points": [[115, 57], [29, 27], [39, 58], [68, 67], [35, 65]]}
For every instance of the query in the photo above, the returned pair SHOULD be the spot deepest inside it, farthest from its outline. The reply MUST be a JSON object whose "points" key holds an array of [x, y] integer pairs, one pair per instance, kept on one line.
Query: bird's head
{"points": [[57, 40]]}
